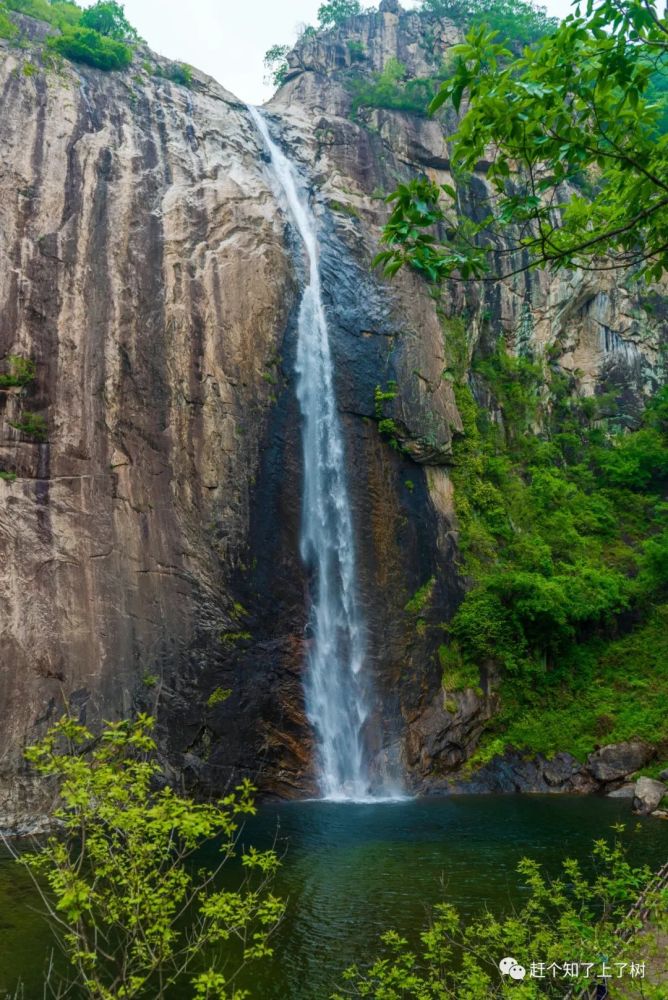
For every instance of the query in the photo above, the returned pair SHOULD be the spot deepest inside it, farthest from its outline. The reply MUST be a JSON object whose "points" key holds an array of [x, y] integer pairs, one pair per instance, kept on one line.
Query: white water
{"points": [[337, 697]]}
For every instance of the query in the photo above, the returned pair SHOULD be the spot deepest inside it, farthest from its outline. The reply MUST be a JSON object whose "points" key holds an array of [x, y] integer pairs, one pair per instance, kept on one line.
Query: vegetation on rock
{"points": [[520, 23], [563, 536], [583, 106], [335, 12], [21, 372], [392, 88], [32, 424], [99, 36]]}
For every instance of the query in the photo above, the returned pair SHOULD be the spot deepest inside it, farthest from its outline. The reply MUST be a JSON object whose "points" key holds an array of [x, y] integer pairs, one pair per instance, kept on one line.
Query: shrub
{"points": [[391, 89], [334, 13], [32, 424], [179, 73], [84, 45], [60, 14], [7, 28], [218, 696], [133, 913], [421, 598], [21, 370], [573, 915]]}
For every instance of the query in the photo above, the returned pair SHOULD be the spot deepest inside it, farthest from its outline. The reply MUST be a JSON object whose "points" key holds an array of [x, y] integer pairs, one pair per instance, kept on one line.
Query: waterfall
{"points": [[337, 695]]}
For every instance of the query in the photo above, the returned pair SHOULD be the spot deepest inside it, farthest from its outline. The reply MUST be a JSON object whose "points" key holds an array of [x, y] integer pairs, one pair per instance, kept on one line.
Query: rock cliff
{"points": [[149, 539]]}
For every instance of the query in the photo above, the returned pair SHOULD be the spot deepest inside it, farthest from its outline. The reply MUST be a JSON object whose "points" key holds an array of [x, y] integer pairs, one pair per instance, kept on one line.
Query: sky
{"points": [[228, 38]]}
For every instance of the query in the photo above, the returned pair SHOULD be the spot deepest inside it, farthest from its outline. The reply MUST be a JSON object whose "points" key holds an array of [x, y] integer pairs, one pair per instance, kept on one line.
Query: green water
{"points": [[351, 871]]}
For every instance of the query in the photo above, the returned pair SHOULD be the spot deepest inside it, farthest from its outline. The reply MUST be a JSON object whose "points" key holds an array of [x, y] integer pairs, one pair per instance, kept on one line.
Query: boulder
{"points": [[626, 791], [663, 775], [617, 760], [647, 795]]}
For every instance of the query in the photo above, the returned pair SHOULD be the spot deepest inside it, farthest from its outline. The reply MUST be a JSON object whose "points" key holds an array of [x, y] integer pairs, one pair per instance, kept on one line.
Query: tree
{"points": [[571, 920], [108, 18], [276, 64], [132, 913], [334, 13], [518, 21], [576, 162]]}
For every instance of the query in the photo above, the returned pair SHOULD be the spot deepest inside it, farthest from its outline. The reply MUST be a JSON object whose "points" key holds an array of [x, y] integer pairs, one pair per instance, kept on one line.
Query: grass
{"points": [[421, 598]]}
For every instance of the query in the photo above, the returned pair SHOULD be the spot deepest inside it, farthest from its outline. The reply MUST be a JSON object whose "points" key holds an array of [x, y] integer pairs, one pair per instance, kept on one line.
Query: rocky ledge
{"points": [[608, 771]]}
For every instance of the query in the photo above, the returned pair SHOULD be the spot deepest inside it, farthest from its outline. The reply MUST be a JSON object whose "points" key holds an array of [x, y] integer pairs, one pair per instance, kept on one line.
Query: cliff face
{"points": [[150, 541], [143, 268]]}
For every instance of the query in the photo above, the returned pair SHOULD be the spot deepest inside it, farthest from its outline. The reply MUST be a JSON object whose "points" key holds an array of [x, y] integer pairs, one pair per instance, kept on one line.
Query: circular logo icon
{"points": [[510, 967], [506, 964]]}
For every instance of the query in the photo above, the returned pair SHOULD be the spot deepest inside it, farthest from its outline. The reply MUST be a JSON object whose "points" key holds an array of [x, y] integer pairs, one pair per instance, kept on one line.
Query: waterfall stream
{"points": [[336, 690]]}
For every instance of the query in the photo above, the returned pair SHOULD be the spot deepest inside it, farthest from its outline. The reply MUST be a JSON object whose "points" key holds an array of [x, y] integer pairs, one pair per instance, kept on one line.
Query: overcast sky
{"points": [[228, 38]]}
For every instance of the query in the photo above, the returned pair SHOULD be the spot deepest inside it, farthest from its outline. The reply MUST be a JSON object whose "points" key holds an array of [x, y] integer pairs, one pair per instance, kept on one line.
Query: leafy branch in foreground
{"points": [[571, 921], [132, 912], [570, 136]]}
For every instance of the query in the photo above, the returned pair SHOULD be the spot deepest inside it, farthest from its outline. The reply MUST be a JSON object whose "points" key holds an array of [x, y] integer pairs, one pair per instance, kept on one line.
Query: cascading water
{"points": [[337, 696]]}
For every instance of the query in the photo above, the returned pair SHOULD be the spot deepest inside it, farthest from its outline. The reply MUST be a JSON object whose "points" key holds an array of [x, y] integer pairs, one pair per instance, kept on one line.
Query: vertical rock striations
{"points": [[150, 538]]}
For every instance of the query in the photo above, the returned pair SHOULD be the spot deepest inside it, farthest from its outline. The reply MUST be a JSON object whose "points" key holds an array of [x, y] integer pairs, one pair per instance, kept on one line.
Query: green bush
{"points": [[391, 89], [356, 50], [84, 45], [7, 28], [516, 20], [335, 12], [421, 598], [587, 917], [21, 370], [179, 73], [60, 14], [132, 910], [32, 424]]}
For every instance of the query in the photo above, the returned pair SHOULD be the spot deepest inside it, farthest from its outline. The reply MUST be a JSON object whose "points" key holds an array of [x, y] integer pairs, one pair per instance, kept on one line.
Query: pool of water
{"points": [[351, 871]]}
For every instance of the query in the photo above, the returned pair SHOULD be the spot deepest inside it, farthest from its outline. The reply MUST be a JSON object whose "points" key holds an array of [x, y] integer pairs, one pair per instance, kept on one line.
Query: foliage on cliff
{"points": [[584, 106], [133, 914], [518, 21], [564, 924], [330, 15], [564, 539], [100, 36], [392, 88]]}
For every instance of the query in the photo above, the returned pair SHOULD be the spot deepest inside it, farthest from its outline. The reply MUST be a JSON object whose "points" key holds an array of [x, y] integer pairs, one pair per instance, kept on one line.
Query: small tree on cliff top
{"points": [[132, 913], [331, 14], [108, 18]]}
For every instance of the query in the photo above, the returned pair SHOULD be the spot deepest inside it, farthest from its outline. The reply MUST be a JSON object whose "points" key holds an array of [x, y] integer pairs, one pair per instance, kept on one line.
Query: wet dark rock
{"points": [[517, 772], [618, 760]]}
